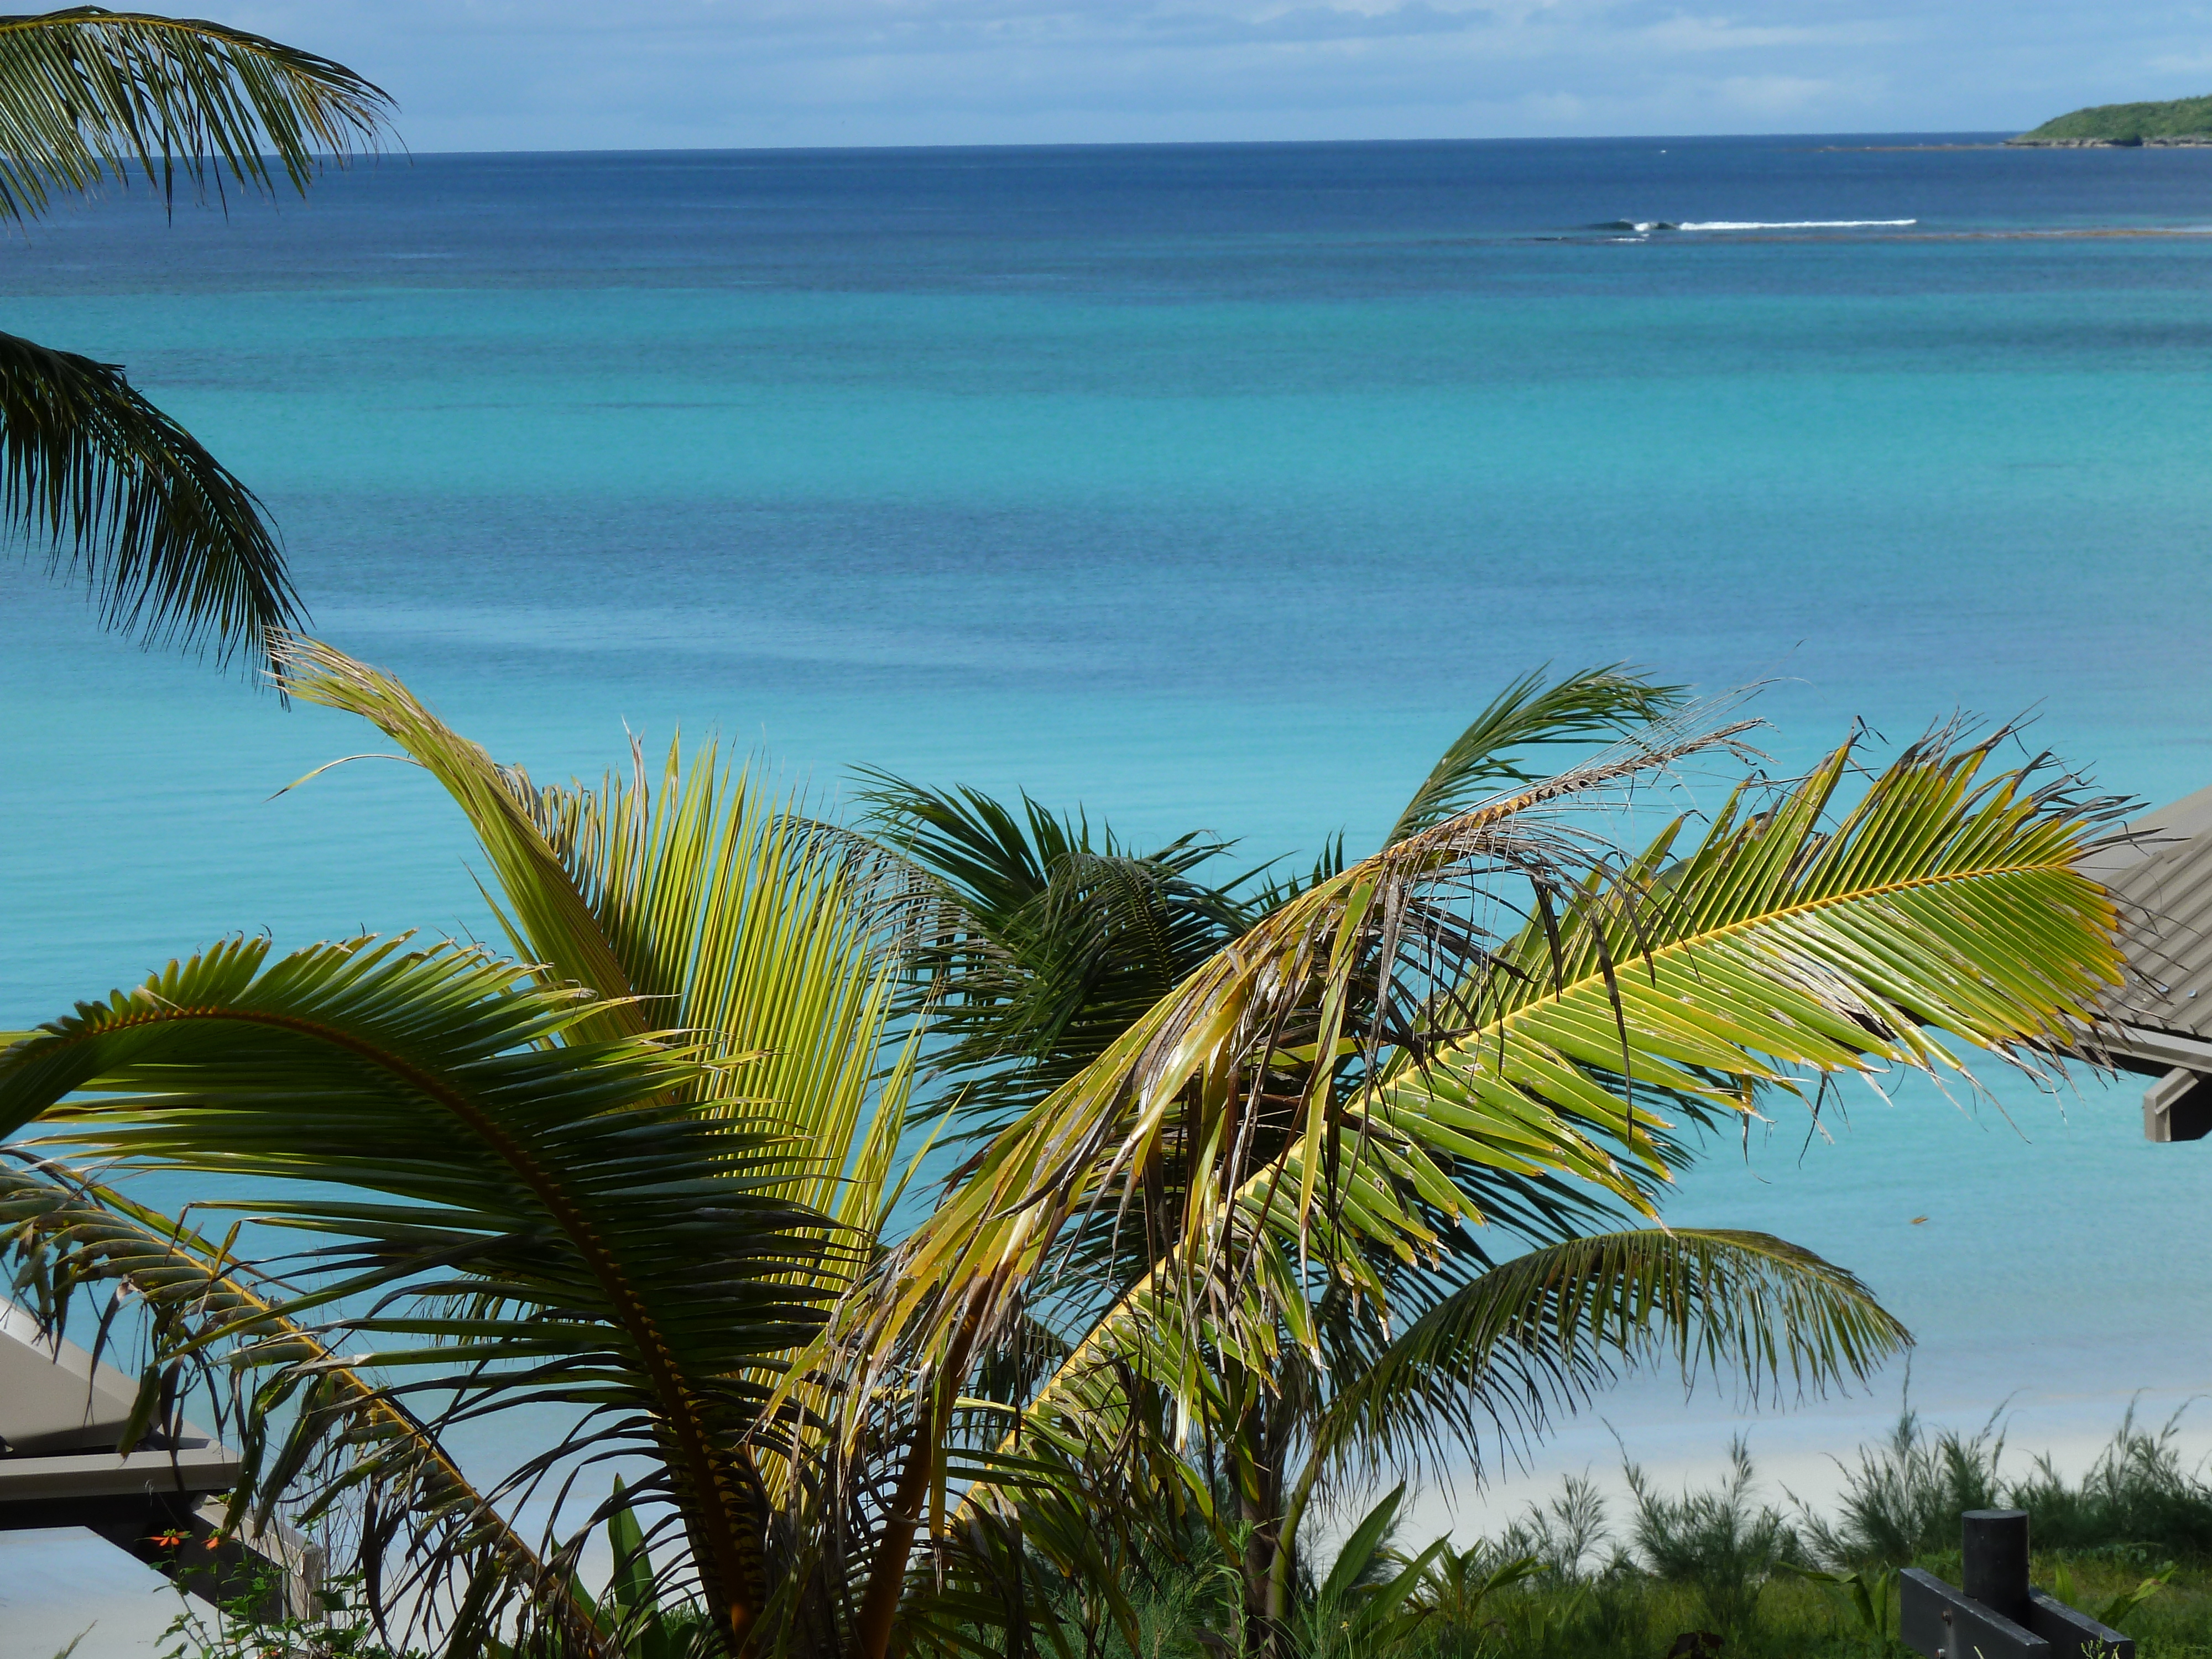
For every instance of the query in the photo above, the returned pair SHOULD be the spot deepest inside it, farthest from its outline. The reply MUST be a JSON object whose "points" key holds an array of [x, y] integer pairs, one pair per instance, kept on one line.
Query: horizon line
{"points": [[1981, 135]]}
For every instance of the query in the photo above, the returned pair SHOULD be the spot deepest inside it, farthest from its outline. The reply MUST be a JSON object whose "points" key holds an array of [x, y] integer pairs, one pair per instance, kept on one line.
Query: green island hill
{"points": [[2180, 121]]}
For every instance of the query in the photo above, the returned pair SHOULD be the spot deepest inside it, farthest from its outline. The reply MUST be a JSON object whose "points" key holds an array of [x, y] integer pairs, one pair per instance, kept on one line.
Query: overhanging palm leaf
{"points": [[86, 93], [173, 545], [1542, 1331], [546, 1220]]}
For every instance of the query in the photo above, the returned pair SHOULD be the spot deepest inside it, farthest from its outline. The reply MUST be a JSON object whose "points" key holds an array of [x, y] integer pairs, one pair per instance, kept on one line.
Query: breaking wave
{"points": [[1792, 224], [1646, 226]]}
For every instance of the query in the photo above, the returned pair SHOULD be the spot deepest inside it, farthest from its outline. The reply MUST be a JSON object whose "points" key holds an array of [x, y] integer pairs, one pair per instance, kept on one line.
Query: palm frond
{"points": [[702, 904], [87, 94], [1511, 1348], [174, 547], [1047, 939], [737, 912], [780, 943], [1592, 704], [1786, 947], [67, 1236], [1227, 1083], [547, 1219], [542, 904]]}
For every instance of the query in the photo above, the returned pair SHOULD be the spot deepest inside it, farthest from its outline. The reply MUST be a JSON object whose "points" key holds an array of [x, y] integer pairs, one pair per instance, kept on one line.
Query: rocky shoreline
{"points": [[2178, 141]]}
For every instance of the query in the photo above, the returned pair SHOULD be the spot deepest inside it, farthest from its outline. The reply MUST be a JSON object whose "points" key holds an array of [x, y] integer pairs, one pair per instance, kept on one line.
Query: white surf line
{"points": [[1790, 224]]}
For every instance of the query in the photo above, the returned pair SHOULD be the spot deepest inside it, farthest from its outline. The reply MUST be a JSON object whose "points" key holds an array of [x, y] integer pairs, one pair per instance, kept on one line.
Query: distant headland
{"points": [[2178, 121]]}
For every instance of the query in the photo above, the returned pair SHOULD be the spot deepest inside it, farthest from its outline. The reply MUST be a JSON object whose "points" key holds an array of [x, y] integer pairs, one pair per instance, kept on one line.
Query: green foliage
{"points": [[1370, 1598], [87, 94], [2137, 1496], [236, 1624], [2130, 123], [1721, 1542], [2115, 1609], [1903, 1499], [174, 545], [1046, 938], [1219, 1277], [531, 1216], [1870, 1592]]}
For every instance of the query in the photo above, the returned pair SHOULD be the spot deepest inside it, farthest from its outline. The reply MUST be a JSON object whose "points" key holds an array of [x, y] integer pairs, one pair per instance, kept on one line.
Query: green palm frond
{"points": [[1228, 1083], [1047, 939], [1501, 1354], [1592, 704], [66, 1235], [1788, 945], [513, 1212], [1507, 1350], [704, 905], [87, 94], [743, 916], [708, 905], [543, 905], [174, 546]]}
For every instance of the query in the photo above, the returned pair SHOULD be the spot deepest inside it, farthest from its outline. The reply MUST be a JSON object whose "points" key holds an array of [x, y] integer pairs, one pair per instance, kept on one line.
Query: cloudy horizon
{"points": [[476, 75]]}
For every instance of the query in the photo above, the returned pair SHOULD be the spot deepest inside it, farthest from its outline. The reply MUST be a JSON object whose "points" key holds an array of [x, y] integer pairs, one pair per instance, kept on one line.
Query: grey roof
{"points": [[2161, 878], [62, 1413]]}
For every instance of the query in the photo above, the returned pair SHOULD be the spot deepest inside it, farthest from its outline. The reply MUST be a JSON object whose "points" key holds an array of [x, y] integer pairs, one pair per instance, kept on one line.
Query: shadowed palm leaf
{"points": [[513, 1213], [174, 548], [1047, 939], [173, 545], [87, 94], [66, 1235], [1544, 1330]]}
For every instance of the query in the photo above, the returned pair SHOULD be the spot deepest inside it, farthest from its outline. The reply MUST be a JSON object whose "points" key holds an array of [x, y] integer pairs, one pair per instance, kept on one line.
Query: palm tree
{"points": [[171, 543], [651, 1178], [636, 1201], [1233, 1209]]}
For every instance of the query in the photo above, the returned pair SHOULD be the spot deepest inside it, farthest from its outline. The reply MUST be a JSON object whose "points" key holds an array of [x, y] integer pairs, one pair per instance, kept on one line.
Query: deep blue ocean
{"points": [[1210, 486]]}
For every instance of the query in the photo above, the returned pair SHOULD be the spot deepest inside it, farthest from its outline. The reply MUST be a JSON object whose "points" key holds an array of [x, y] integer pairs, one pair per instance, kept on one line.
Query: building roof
{"points": [[2161, 876]]}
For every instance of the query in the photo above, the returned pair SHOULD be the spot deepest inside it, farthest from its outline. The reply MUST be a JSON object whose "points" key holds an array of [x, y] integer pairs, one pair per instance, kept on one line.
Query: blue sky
{"points": [[625, 74]]}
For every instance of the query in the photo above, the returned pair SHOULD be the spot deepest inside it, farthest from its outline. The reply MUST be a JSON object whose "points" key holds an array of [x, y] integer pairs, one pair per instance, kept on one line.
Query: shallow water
{"points": [[1208, 486]]}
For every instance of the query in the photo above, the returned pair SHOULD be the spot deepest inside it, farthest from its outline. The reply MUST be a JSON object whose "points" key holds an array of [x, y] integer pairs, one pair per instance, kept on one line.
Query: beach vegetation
{"points": [[1725, 1569], [1297, 1188]]}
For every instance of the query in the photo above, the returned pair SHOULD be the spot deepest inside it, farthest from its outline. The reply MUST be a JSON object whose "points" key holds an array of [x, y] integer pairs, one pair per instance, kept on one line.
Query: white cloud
{"points": [[545, 74], [1781, 95]]}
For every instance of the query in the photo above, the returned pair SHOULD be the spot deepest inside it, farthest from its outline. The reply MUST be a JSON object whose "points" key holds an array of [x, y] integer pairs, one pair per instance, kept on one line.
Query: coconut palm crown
{"points": [[1373, 1177]]}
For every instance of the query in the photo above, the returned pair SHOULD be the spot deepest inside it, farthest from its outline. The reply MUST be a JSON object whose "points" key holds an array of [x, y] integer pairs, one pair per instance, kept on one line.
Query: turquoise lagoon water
{"points": [[1209, 486]]}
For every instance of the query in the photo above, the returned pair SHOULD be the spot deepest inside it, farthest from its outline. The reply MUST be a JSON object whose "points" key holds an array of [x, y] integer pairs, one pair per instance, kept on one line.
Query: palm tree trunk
{"points": [[879, 1605], [1255, 1463], [872, 1631]]}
